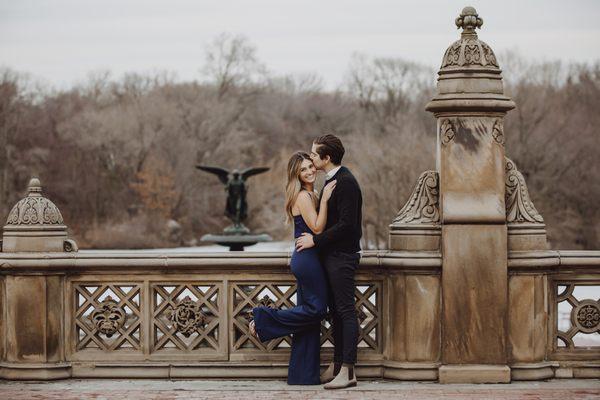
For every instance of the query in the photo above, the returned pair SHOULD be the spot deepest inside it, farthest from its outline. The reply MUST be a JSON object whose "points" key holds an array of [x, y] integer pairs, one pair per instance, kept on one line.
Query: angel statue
{"points": [[236, 208]]}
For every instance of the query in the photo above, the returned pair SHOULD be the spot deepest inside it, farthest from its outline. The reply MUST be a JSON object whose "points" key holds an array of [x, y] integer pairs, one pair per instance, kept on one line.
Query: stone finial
{"points": [[469, 20], [35, 187], [470, 77], [35, 210], [36, 224]]}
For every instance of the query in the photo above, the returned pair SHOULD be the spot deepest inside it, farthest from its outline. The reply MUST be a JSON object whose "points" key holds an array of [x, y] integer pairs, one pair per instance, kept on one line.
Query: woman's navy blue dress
{"points": [[303, 322]]}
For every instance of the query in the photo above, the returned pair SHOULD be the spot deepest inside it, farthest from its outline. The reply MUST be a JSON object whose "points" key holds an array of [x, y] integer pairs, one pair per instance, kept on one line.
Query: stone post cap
{"points": [[35, 224], [34, 211], [470, 78]]}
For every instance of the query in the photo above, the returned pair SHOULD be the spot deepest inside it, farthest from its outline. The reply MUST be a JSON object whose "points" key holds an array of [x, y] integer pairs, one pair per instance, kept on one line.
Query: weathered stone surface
{"points": [[423, 306], [35, 371], [532, 371], [527, 318], [471, 170], [527, 236], [415, 237], [55, 315], [26, 309], [474, 288], [397, 323], [2, 320], [474, 374], [415, 307], [34, 305]]}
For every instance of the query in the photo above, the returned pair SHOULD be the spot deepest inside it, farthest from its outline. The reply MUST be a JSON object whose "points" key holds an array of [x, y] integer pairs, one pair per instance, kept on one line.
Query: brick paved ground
{"points": [[246, 390]]}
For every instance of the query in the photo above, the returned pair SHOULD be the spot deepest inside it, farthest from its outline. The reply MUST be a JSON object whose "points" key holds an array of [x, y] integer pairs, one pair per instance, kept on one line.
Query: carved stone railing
{"points": [[146, 314], [553, 315]]}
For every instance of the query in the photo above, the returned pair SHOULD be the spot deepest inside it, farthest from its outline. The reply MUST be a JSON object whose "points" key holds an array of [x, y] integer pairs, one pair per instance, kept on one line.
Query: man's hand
{"points": [[305, 241]]}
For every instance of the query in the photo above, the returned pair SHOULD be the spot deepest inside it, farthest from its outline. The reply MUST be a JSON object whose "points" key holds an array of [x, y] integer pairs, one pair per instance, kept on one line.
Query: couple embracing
{"points": [[327, 229]]}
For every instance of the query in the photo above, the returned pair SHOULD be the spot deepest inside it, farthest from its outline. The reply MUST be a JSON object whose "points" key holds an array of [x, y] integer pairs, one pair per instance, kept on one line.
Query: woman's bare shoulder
{"points": [[305, 197]]}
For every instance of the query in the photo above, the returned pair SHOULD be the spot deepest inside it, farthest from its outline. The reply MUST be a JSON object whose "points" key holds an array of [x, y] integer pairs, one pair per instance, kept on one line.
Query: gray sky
{"points": [[61, 41]]}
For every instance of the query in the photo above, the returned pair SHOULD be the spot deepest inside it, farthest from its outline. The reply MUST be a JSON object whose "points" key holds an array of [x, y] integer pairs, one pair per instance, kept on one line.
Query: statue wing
{"points": [[247, 173], [221, 173]]}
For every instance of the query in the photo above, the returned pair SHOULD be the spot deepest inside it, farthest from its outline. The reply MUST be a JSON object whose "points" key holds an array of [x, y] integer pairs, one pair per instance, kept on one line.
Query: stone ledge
{"points": [[474, 373], [533, 371], [203, 370], [141, 260], [42, 372], [410, 371]]}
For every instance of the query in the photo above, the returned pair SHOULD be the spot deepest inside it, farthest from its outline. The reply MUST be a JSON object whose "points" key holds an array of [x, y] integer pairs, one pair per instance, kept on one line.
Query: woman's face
{"points": [[308, 172]]}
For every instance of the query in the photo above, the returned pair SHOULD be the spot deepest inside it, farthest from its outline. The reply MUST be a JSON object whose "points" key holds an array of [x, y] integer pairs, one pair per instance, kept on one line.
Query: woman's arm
{"points": [[315, 221]]}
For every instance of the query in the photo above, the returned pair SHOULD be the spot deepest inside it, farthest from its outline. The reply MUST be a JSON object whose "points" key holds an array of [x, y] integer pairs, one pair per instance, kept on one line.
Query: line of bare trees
{"points": [[117, 155]]}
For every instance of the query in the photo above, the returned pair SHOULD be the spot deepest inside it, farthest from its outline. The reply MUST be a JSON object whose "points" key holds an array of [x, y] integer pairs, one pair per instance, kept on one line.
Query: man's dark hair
{"points": [[330, 145]]}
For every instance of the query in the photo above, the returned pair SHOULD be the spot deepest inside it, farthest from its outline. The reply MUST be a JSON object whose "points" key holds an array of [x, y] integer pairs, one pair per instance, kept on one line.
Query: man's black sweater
{"points": [[343, 229]]}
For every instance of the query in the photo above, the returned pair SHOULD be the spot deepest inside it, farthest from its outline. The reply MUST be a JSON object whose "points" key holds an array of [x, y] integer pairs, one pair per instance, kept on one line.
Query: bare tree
{"points": [[117, 155], [10, 116], [231, 61]]}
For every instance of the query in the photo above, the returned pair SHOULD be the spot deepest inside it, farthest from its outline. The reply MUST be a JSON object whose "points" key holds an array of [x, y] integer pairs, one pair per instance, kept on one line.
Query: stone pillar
{"points": [[469, 108], [414, 296], [32, 337]]}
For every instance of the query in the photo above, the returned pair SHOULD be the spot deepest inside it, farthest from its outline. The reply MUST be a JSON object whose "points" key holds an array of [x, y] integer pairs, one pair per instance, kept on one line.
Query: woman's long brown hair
{"points": [[293, 186]]}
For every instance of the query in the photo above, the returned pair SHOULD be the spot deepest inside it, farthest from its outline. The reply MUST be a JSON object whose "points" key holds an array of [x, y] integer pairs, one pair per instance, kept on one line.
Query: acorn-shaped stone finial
{"points": [[469, 20]]}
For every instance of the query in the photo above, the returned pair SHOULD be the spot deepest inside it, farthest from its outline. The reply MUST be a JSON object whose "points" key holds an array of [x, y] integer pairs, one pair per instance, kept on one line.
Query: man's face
{"points": [[316, 159]]}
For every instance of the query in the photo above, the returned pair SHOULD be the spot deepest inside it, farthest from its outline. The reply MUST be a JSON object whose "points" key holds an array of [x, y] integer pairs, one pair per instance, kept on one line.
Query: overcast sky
{"points": [[61, 41]]}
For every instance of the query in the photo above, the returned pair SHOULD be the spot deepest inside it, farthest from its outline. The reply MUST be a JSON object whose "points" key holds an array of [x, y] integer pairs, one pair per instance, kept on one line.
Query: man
{"points": [[339, 246]]}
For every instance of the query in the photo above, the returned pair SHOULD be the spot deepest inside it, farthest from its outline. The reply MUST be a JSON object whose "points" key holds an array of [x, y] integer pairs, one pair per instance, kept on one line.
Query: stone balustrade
{"points": [[147, 314], [92, 314]]}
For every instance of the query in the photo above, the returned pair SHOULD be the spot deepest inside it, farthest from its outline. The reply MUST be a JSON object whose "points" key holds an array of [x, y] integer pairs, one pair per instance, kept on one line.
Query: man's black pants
{"points": [[341, 268]]}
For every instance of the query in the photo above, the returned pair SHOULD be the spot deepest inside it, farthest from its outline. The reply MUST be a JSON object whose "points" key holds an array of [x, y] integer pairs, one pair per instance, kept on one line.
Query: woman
{"points": [[303, 322]]}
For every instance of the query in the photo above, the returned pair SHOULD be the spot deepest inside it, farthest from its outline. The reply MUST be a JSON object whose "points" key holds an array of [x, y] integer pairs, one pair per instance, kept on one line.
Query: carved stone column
{"points": [[470, 107], [33, 304]]}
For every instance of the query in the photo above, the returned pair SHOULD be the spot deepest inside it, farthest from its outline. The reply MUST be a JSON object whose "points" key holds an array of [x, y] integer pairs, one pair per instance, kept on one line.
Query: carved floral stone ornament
{"points": [[447, 132], [469, 50], [423, 204], [36, 224], [187, 317], [108, 317], [34, 209], [498, 132], [519, 207], [264, 301], [586, 316]]}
